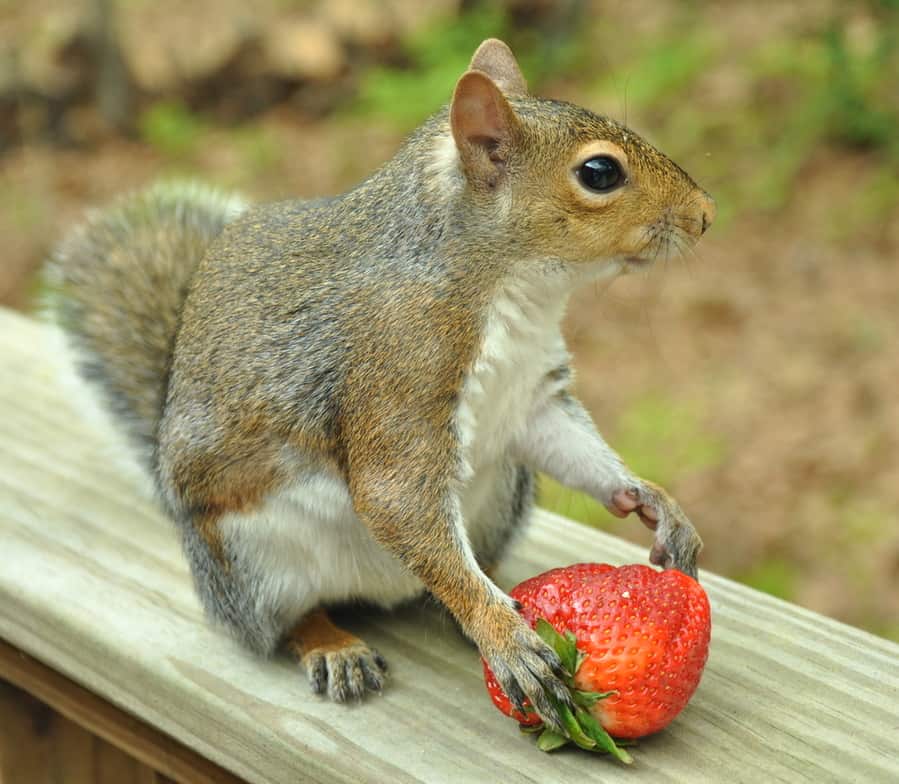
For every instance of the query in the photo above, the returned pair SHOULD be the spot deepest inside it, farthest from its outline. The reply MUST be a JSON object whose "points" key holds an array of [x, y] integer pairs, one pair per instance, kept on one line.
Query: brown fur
{"points": [[338, 334], [336, 661], [117, 285], [495, 58], [317, 632]]}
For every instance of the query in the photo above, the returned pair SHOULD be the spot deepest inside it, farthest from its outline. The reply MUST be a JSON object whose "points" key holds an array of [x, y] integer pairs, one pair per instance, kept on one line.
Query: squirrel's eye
{"points": [[601, 174]]}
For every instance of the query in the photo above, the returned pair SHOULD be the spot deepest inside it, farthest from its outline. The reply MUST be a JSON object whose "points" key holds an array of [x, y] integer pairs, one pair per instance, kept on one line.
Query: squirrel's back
{"points": [[117, 285]]}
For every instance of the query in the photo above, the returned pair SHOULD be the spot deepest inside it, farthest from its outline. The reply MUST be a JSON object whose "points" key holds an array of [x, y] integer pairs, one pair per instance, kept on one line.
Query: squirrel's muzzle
{"points": [[709, 211]]}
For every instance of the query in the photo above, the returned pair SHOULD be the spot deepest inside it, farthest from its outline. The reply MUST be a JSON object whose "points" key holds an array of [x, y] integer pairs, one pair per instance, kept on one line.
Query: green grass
{"points": [[182, 137], [261, 152], [889, 630], [837, 93], [873, 205], [662, 68], [664, 439], [23, 207]]}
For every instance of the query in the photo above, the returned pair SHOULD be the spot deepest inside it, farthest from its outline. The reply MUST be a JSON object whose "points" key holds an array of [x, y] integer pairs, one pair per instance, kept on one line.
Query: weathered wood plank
{"points": [[128, 741], [93, 584], [40, 746]]}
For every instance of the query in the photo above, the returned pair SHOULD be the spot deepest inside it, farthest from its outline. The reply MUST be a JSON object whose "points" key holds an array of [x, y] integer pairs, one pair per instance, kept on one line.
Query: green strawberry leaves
{"points": [[601, 738], [549, 740], [573, 727], [564, 647], [581, 728], [587, 699]]}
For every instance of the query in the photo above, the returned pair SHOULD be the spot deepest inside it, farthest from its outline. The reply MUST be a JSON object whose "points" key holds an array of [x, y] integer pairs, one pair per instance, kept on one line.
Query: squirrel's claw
{"points": [[337, 663], [527, 668], [676, 541], [346, 673]]}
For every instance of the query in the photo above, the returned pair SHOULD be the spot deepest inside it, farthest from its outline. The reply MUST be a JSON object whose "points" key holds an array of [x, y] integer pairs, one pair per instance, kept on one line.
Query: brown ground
{"points": [[757, 379]]}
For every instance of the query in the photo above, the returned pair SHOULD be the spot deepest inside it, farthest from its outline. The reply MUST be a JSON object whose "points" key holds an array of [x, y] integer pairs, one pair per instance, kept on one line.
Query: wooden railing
{"points": [[100, 622]]}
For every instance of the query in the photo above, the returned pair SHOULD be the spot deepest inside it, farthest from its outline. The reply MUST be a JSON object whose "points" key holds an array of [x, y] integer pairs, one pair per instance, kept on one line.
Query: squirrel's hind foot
{"points": [[337, 663]]}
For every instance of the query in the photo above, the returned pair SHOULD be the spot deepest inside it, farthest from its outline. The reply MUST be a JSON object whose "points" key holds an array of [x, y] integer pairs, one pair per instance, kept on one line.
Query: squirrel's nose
{"points": [[709, 210]]}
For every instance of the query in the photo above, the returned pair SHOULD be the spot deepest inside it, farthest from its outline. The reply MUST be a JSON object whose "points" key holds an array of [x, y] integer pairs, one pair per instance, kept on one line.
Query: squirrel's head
{"points": [[564, 182]]}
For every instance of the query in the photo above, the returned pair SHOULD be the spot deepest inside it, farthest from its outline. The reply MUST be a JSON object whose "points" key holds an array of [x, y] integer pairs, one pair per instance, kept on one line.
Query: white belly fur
{"points": [[307, 546], [521, 344]]}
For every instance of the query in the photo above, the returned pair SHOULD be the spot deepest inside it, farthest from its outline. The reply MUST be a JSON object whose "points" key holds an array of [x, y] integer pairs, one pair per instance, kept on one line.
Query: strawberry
{"points": [[504, 703], [633, 640]]}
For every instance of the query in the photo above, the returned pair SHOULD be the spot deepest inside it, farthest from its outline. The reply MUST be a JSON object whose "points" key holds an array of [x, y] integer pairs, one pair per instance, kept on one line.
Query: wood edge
{"points": [[728, 588], [166, 755]]}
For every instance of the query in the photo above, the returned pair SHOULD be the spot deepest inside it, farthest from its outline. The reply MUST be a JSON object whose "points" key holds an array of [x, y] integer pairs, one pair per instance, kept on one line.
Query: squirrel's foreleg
{"points": [[561, 440], [416, 516]]}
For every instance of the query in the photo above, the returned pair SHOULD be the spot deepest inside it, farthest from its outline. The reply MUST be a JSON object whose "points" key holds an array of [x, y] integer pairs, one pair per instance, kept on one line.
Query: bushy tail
{"points": [[116, 286]]}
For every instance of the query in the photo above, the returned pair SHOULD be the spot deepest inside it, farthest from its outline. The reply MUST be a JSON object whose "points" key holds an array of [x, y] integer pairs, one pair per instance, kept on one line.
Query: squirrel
{"points": [[346, 399]]}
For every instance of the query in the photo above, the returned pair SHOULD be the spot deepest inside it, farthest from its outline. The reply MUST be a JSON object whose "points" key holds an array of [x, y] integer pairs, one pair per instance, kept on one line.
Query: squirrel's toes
{"points": [[337, 663]]}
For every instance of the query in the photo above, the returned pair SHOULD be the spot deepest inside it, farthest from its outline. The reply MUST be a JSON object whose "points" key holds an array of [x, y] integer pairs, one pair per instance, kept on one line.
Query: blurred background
{"points": [[757, 379]]}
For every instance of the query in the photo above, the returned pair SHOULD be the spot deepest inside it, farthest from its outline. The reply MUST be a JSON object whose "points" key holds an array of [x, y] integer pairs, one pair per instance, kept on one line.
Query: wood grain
{"points": [[128, 740], [93, 584], [40, 746]]}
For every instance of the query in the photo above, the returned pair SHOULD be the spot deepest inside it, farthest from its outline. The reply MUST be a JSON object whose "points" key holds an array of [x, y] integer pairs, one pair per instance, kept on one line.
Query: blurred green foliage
{"points": [[660, 439], [804, 91], [664, 439], [775, 576], [662, 67], [410, 91], [171, 128], [854, 103], [407, 94], [181, 135], [260, 150], [24, 208]]}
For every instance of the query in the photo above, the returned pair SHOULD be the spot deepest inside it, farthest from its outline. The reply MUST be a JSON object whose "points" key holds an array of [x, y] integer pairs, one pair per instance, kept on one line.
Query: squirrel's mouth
{"points": [[637, 261]]}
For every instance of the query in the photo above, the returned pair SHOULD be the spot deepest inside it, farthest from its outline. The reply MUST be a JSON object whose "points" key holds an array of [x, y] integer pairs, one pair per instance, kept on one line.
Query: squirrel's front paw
{"points": [[524, 665], [676, 543], [337, 663]]}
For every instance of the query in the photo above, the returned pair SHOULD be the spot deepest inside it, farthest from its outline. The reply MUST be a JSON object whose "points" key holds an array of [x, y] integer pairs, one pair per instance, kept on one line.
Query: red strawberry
{"points": [[502, 701], [641, 634]]}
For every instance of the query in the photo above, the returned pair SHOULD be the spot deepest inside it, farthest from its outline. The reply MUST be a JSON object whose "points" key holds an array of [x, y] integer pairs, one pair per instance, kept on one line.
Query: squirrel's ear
{"points": [[496, 60], [483, 125]]}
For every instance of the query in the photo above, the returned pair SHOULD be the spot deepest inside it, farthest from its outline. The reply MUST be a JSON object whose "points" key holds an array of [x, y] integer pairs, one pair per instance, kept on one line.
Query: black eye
{"points": [[601, 174]]}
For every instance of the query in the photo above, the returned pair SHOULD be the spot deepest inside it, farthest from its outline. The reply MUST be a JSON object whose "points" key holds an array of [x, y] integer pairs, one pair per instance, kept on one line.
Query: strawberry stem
{"points": [[549, 740], [587, 699], [581, 727], [573, 727], [564, 647], [601, 738]]}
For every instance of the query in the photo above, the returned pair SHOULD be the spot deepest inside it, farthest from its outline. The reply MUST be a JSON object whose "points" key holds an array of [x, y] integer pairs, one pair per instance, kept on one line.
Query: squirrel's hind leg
{"points": [[259, 576], [337, 663], [231, 594]]}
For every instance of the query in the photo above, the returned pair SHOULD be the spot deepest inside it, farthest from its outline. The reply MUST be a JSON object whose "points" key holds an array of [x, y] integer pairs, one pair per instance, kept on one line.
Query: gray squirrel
{"points": [[346, 399]]}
